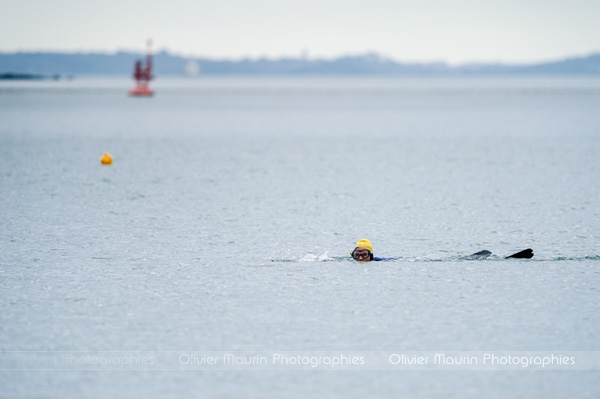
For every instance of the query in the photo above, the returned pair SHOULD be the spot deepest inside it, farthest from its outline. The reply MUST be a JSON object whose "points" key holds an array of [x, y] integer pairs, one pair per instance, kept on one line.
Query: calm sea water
{"points": [[226, 221]]}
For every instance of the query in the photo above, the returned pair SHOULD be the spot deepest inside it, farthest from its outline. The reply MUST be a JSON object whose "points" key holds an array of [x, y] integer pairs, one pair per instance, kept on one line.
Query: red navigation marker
{"points": [[143, 75]]}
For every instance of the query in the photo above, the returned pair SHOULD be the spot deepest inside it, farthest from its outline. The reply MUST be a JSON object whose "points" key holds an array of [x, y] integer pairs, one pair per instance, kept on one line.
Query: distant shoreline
{"points": [[31, 76], [39, 65]]}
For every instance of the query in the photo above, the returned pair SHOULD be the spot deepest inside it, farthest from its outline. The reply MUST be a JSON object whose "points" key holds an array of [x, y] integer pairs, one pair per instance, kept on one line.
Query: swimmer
{"points": [[363, 252]]}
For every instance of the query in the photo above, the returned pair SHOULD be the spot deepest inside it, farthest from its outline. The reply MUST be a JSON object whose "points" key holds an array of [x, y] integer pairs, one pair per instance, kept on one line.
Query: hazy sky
{"points": [[456, 31]]}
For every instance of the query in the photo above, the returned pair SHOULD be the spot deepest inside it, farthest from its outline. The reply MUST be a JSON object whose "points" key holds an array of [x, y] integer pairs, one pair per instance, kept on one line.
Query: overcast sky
{"points": [[456, 31]]}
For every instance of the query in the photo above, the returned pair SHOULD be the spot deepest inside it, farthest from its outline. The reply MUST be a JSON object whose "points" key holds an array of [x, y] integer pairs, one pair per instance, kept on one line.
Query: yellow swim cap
{"points": [[364, 243]]}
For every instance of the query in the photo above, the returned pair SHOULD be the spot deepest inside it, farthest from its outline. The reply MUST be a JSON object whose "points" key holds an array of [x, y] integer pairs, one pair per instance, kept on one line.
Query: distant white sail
{"points": [[192, 68]]}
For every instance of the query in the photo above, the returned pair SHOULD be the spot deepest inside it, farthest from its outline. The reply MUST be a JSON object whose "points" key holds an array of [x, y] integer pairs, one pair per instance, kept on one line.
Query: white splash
{"points": [[324, 257], [315, 258], [309, 258]]}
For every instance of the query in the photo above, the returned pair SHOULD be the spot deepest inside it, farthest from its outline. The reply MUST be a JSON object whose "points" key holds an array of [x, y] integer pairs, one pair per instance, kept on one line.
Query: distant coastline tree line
{"points": [[38, 65]]}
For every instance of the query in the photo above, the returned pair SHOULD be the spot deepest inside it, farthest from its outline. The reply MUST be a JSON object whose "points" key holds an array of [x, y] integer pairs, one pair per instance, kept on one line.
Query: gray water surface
{"points": [[227, 219]]}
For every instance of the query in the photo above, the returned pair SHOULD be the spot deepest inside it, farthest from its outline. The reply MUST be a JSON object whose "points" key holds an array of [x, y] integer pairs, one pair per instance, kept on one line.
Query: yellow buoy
{"points": [[106, 159]]}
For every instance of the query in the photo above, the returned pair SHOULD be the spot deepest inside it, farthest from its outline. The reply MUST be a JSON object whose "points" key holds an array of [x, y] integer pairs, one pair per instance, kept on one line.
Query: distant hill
{"points": [[121, 63], [589, 65]]}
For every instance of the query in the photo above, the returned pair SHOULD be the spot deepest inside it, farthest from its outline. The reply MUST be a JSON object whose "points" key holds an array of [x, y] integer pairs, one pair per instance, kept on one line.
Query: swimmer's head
{"points": [[363, 251]]}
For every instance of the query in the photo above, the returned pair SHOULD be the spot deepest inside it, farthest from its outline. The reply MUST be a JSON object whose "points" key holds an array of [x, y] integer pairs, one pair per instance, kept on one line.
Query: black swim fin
{"points": [[524, 254]]}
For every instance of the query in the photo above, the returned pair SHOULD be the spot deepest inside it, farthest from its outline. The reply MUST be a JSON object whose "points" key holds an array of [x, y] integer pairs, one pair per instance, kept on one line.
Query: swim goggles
{"points": [[362, 255]]}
